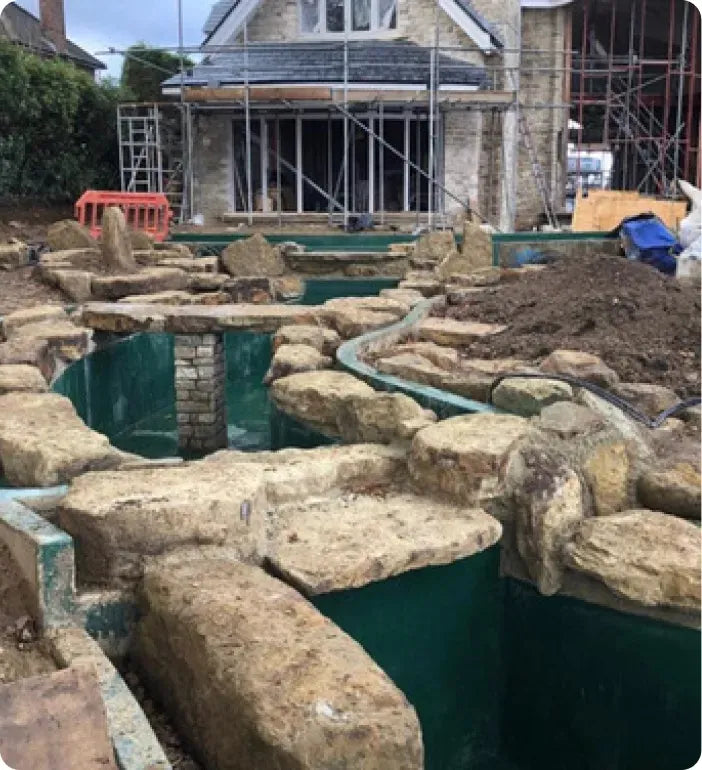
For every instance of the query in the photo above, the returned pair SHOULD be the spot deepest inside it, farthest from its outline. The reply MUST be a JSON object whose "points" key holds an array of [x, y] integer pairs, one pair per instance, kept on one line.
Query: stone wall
{"points": [[462, 153], [213, 164]]}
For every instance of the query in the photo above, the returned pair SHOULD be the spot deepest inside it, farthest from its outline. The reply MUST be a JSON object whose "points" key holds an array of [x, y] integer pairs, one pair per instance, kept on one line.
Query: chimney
{"points": [[53, 23]]}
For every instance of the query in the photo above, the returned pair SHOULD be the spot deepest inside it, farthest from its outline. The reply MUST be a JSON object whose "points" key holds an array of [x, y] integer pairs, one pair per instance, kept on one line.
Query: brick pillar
{"points": [[200, 382]]}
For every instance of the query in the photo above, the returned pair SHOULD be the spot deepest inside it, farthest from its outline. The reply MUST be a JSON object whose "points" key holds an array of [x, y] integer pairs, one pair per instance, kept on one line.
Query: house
{"points": [[408, 110], [45, 36]]}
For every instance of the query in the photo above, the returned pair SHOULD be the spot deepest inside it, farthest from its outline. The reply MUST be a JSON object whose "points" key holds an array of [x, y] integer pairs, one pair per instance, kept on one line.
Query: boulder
{"points": [[674, 489], [253, 257], [477, 245], [75, 284], [546, 499], [30, 351], [460, 457], [567, 420], [584, 366], [293, 359], [140, 240], [119, 518], [381, 418], [257, 290], [116, 243], [528, 397], [315, 397], [435, 245], [13, 255], [149, 281], [607, 469], [320, 338], [65, 340], [647, 398], [446, 331], [354, 540], [12, 322], [232, 640], [69, 234], [43, 442], [21, 377], [645, 556]]}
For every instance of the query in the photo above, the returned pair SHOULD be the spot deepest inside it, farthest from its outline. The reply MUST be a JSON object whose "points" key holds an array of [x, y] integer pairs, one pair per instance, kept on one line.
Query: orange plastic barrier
{"points": [[148, 212]]}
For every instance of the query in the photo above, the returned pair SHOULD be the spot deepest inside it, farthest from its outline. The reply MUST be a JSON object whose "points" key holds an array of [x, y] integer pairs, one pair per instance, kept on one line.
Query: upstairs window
{"points": [[335, 17]]}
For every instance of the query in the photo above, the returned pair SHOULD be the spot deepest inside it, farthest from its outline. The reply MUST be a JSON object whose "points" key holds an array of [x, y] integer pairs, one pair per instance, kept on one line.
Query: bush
{"points": [[58, 128], [145, 69]]}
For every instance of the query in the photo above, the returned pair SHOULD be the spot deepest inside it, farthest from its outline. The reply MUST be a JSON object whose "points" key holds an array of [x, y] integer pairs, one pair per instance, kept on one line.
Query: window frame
{"points": [[374, 32]]}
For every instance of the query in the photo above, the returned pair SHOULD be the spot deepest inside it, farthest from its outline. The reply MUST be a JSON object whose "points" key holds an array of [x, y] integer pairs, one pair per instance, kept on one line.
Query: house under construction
{"points": [[416, 111]]}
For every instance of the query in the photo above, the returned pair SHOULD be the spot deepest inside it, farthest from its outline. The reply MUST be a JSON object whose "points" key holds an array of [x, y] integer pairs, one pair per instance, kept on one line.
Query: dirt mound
{"points": [[643, 324]]}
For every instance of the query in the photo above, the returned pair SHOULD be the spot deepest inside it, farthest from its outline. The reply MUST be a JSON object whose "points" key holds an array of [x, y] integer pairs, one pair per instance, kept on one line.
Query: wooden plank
{"points": [[55, 722], [603, 210]]}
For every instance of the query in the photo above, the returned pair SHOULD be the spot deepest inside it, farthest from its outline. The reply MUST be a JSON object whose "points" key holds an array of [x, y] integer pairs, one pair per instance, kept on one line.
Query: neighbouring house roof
{"points": [[222, 9], [23, 28], [369, 62]]}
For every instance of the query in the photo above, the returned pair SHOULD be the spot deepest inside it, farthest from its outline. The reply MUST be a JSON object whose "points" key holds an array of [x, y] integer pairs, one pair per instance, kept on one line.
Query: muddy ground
{"points": [[644, 325]]}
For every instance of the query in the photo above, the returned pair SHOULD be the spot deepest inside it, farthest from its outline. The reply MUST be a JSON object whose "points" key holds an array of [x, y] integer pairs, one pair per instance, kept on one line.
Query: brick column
{"points": [[200, 381]]}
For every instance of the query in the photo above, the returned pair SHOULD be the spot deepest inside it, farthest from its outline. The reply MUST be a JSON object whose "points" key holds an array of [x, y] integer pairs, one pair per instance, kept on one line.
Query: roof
{"points": [[222, 9], [21, 27], [389, 62]]}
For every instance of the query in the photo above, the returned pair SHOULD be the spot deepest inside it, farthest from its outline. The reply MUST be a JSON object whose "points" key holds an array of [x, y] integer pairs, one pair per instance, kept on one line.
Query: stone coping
{"points": [[193, 319]]}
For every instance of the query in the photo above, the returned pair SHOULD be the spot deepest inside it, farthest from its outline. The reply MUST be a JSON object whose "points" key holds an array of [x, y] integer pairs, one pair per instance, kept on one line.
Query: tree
{"points": [[144, 70]]}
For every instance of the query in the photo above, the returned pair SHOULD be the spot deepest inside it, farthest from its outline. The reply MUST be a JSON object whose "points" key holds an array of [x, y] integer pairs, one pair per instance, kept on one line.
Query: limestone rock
{"points": [[118, 518], [527, 397], [477, 280], [13, 255], [647, 398], [409, 297], [116, 243], [149, 281], [287, 287], [206, 281], [443, 357], [351, 321], [674, 490], [191, 264], [435, 245], [381, 418], [257, 290], [567, 420], [584, 366], [446, 331], [546, 496], [164, 298], [293, 359], [315, 397], [427, 287], [460, 457], [14, 321], [140, 240], [253, 257], [645, 556], [173, 246], [348, 542], [65, 340], [324, 340], [477, 245], [43, 442], [413, 367], [305, 695], [607, 470], [76, 284], [30, 351], [69, 234], [21, 377], [693, 418]]}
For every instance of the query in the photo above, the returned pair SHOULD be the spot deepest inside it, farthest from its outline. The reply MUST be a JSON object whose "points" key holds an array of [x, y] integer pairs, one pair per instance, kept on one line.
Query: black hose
{"points": [[620, 403]]}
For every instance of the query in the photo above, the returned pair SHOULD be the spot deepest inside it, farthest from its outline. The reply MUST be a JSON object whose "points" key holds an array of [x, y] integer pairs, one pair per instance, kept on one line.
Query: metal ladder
{"points": [[536, 170]]}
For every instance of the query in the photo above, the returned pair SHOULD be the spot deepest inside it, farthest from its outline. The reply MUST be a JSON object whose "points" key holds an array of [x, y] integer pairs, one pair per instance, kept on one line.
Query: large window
{"points": [[324, 17]]}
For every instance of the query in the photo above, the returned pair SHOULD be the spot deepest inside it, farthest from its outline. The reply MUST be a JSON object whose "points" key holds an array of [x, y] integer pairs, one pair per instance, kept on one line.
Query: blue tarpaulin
{"points": [[647, 239]]}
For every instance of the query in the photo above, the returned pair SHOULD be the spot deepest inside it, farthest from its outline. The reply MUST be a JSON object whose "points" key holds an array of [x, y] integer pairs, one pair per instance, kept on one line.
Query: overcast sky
{"points": [[97, 25]]}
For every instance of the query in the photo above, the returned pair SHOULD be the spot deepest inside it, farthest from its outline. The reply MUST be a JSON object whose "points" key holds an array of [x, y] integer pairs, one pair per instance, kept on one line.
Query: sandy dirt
{"points": [[644, 325]]}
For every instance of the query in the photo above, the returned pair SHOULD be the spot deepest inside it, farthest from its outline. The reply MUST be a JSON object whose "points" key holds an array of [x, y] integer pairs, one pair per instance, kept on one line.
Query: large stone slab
{"points": [[348, 542], [460, 457], [315, 397], [56, 721], [21, 377], [118, 519], [446, 331], [43, 442], [119, 317], [76, 284], [149, 281], [255, 677], [646, 556], [352, 317]]}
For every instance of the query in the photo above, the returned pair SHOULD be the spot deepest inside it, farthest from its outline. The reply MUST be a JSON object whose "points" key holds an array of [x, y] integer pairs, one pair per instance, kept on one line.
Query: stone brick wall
{"points": [[462, 152], [213, 164], [200, 381]]}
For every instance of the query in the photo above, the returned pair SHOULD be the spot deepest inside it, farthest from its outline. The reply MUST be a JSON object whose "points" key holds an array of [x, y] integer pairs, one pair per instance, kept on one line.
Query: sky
{"points": [[97, 25]]}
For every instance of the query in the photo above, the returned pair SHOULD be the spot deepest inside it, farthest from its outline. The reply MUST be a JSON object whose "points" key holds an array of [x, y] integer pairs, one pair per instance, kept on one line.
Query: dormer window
{"points": [[355, 17]]}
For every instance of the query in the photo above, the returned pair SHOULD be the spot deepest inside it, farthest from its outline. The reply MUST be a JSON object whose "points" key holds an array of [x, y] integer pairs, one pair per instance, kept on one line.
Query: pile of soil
{"points": [[644, 325]]}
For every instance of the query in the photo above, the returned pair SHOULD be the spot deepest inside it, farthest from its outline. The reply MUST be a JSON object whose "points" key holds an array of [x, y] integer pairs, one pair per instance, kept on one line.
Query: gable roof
{"points": [[463, 12], [20, 26]]}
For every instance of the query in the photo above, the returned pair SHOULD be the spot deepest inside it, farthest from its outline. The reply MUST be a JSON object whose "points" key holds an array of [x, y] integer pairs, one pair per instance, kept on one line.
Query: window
{"points": [[353, 16]]}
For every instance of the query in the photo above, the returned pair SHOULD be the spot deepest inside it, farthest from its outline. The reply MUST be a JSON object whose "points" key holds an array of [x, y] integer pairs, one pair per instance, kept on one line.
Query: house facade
{"points": [[393, 108]]}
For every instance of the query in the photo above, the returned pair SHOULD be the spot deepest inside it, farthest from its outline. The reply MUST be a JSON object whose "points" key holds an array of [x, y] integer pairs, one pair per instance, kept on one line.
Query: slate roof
{"points": [[21, 27], [393, 62]]}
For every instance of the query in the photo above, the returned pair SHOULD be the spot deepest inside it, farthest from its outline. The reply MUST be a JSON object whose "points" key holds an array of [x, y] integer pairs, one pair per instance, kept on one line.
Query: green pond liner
{"points": [[357, 242], [503, 678]]}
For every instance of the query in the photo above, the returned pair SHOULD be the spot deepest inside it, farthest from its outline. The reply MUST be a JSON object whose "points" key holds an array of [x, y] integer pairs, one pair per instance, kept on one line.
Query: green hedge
{"points": [[58, 132]]}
